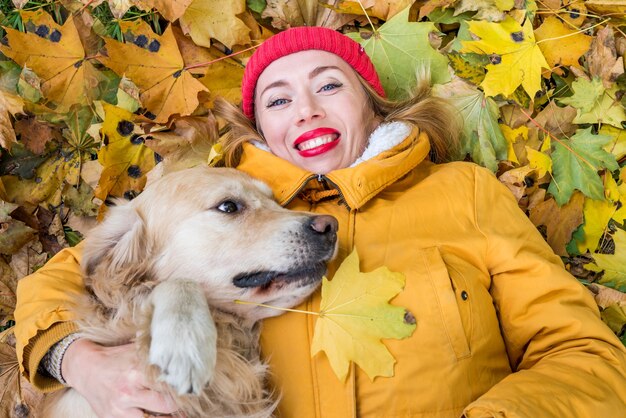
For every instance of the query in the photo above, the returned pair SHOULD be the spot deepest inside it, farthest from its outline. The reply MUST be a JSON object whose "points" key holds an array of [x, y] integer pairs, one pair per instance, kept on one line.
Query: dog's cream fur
{"points": [[165, 269]]}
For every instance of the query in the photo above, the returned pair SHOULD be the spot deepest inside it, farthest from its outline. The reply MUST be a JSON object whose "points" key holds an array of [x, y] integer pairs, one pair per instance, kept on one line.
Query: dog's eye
{"points": [[228, 207]]}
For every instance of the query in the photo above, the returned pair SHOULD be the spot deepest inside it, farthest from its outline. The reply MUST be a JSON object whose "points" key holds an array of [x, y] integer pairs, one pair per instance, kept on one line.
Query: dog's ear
{"points": [[116, 247]]}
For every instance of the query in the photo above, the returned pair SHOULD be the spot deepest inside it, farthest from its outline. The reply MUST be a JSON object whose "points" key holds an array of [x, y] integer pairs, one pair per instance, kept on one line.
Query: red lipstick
{"points": [[312, 135]]}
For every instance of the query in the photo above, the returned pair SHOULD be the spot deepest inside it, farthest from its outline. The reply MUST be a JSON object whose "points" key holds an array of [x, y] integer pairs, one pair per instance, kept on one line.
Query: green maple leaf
{"points": [[398, 49], [595, 104], [482, 137], [355, 314], [576, 163], [613, 265], [515, 56]]}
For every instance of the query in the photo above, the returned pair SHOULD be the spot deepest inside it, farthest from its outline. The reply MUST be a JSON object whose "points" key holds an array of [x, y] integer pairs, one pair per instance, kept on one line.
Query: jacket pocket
{"points": [[444, 292]]}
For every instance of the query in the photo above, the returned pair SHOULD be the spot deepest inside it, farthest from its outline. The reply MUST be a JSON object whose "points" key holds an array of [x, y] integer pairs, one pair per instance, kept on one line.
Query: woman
{"points": [[503, 330]]}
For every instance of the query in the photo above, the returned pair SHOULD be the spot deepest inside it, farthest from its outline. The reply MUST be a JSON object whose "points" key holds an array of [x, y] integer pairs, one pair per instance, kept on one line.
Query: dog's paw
{"points": [[183, 337], [185, 353]]}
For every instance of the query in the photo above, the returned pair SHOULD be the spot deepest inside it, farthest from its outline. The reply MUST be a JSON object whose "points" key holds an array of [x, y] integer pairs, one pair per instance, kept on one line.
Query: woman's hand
{"points": [[111, 380]]}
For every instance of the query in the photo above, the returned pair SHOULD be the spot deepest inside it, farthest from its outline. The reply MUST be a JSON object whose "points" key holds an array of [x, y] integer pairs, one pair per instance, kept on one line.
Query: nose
{"points": [[309, 108], [324, 224]]}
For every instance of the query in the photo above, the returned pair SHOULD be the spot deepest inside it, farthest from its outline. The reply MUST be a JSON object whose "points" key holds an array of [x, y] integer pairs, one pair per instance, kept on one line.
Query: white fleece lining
{"points": [[384, 137]]}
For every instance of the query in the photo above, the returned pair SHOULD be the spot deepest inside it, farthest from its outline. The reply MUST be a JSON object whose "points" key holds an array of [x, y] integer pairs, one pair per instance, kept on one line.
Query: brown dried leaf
{"points": [[515, 180], [560, 222], [558, 121], [9, 105], [9, 380], [13, 235], [35, 134], [28, 259], [602, 58], [605, 296], [188, 143], [169, 9], [17, 397], [8, 286]]}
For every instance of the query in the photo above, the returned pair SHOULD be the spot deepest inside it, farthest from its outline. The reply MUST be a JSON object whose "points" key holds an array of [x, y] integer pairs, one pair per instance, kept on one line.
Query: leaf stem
{"points": [[557, 139], [573, 33], [367, 16], [204, 64], [243, 302]]}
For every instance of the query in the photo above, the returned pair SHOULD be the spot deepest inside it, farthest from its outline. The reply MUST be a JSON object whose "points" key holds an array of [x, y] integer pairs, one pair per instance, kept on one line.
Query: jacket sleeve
{"points": [[566, 361], [43, 312]]}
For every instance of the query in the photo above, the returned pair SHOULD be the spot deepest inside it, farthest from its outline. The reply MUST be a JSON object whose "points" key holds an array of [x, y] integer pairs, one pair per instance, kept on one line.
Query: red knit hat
{"points": [[305, 38]]}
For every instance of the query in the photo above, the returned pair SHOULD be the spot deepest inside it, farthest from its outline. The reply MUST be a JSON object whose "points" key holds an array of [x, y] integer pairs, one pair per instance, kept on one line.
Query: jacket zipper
{"points": [[322, 179]]}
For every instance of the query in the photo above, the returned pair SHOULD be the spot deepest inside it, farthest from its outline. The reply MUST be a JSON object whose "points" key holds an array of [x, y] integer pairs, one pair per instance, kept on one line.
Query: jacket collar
{"points": [[356, 185]]}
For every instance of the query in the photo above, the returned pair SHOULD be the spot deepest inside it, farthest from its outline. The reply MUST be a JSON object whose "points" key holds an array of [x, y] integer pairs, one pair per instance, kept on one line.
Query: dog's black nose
{"points": [[324, 224]]}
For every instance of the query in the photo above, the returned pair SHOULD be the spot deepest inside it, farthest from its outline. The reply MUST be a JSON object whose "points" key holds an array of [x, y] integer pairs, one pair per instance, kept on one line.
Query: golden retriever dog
{"points": [[165, 270]]}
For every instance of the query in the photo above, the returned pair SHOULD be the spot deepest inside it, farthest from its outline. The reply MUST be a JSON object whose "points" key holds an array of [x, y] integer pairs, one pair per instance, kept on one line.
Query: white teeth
{"points": [[316, 142]]}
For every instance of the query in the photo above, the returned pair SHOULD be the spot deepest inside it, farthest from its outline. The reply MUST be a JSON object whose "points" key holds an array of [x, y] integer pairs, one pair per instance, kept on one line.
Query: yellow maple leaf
{"points": [[125, 158], [539, 160], [55, 54], [169, 9], [515, 56], [355, 315], [206, 19], [617, 146], [512, 136], [155, 65], [597, 215], [561, 45], [613, 265], [10, 104]]}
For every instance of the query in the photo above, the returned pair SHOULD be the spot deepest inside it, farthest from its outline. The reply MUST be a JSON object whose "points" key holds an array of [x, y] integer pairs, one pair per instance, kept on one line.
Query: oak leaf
{"points": [[155, 65], [515, 56], [355, 315], [408, 43]]}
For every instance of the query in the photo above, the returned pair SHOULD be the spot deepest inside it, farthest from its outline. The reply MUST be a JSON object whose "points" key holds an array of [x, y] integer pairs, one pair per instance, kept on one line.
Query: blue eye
{"points": [[330, 86], [277, 102]]}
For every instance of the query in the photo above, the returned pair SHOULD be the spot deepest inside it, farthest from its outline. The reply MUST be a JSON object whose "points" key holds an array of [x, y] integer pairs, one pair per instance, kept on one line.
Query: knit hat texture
{"points": [[305, 38]]}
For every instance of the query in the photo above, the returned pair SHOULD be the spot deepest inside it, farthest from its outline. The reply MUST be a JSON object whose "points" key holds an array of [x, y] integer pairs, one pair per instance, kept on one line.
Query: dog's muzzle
{"points": [[319, 234]]}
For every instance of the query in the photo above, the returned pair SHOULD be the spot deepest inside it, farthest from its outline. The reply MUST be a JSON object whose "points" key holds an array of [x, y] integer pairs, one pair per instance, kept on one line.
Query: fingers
{"points": [[155, 402]]}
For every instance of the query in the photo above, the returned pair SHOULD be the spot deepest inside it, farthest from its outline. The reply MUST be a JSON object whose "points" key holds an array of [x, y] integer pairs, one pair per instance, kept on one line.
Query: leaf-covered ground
{"points": [[96, 97]]}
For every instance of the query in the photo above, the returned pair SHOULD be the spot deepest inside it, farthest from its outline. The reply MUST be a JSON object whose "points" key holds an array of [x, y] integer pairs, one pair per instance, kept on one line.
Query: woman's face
{"points": [[313, 111]]}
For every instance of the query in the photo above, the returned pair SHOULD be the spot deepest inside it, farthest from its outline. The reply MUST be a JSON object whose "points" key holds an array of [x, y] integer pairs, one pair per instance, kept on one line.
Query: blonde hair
{"points": [[433, 115]]}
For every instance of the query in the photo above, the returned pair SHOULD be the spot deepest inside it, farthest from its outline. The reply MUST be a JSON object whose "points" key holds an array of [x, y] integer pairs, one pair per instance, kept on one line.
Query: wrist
{"points": [[74, 359]]}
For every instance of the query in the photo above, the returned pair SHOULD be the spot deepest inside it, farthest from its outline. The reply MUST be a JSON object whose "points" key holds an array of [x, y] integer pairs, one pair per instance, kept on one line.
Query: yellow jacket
{"points": [[489, 296]]}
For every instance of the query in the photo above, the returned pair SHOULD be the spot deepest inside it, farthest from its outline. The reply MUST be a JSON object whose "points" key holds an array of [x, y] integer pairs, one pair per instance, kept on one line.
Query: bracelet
{"points": [[54, 357]]}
